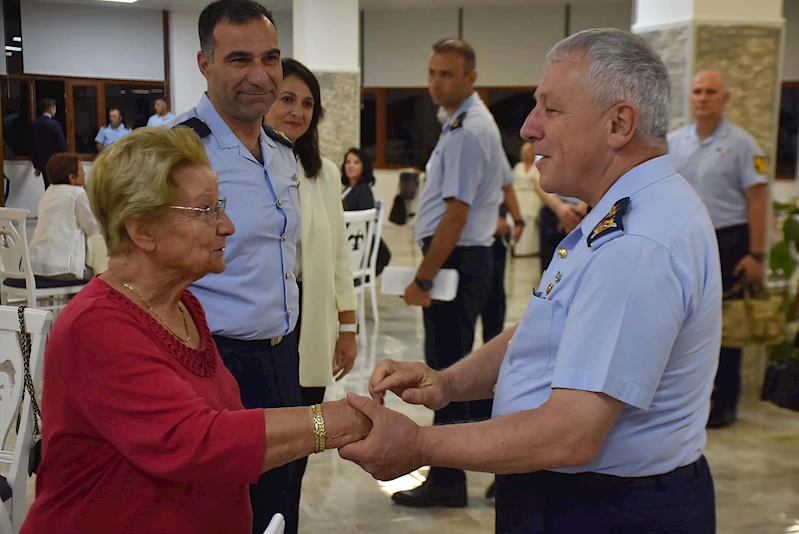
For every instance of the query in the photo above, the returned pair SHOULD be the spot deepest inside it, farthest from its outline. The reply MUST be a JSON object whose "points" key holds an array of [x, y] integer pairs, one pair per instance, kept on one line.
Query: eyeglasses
{"points": [[210, 212]]}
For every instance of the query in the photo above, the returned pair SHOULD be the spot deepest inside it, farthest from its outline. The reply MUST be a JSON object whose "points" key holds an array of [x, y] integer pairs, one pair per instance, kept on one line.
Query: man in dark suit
{"points": [[46, 138]]}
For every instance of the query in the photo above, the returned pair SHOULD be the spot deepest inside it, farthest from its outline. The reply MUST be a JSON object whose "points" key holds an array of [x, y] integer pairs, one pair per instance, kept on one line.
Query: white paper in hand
{"points": [[396, 279]]}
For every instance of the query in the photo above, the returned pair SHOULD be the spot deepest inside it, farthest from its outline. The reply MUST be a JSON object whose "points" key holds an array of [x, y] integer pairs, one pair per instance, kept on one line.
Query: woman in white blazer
{"points": [[58, 246], [327, 325]]}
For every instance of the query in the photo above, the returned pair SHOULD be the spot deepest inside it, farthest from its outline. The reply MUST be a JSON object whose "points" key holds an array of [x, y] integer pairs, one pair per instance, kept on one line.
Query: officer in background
{"points": [[113, 131], [728, 171], [455, 224], [602, 389], [252, 306]]}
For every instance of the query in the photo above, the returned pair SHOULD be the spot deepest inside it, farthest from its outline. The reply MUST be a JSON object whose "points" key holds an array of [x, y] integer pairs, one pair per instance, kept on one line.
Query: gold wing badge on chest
{"points": [[611, 225]]}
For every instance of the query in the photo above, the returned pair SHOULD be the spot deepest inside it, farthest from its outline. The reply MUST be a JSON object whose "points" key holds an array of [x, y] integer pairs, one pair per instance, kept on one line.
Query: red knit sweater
{"points": [[141, 433]]}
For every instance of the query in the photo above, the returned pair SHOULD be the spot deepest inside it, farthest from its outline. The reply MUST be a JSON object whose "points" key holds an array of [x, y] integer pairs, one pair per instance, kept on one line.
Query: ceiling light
{"points": [[13, 49], [17, 39], [120, 1]]}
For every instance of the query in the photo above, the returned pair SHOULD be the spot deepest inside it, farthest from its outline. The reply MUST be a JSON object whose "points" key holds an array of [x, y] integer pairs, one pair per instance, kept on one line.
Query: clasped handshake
{"points": [[383, 442]]}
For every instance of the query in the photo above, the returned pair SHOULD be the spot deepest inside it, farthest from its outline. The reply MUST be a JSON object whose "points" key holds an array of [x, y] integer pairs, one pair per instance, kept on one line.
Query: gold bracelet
{"points": [[320, 434]]}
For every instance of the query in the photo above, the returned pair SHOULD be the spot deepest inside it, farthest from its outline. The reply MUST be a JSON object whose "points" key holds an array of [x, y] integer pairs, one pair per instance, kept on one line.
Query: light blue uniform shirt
{"points": [[256, 297], [470, 165], [636, 316], [157, 120], [721, 168], [108, 135]]}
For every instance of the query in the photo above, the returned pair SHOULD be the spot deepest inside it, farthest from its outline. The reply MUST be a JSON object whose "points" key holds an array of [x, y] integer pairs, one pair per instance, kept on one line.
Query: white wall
{"points": [[2, 39], [397, 44], [93, 41], [285, 32], [511, 42], [790, 59], [186, 81], [616, 14]]}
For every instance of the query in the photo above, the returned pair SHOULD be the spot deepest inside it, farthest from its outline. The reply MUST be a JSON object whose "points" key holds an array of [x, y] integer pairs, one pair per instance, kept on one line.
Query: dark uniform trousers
{"points": [[545, 502], [268, 377], [733, 247], [449, 326]]}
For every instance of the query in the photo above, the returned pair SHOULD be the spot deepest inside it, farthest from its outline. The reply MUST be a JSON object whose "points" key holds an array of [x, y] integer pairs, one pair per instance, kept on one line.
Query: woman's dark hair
{"points": [[307, 145], [60, 166], [367, 176]]}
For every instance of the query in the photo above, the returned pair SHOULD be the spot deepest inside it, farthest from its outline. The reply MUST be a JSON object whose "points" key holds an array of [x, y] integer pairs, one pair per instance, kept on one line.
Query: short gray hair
{"points": [[622, 68]]}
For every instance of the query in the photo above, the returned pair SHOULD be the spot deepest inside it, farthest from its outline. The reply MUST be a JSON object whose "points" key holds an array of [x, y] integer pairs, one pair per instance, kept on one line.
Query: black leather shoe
{"points": [[721, 417], [430, 494]]}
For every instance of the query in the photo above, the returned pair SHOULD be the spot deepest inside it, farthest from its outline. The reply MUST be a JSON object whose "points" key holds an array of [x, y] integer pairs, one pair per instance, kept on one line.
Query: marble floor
{"points": [[755, 462]]}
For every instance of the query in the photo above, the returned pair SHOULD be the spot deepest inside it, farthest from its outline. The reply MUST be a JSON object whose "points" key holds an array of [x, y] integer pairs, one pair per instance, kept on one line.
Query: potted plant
{"points": [[781, 384]]}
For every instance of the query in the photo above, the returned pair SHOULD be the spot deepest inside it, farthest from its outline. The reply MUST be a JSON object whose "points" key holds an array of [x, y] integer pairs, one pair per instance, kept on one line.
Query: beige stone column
{"points": [[742, 39], [326, 39]]}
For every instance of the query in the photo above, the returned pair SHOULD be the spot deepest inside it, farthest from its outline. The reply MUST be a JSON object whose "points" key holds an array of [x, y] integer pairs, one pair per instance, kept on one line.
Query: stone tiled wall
{"points": [[748, 57], [341, 128], [673, 46]]}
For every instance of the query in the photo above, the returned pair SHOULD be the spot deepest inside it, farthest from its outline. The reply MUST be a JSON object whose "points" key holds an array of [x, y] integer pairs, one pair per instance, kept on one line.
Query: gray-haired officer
{"points": [[455, 225], [603, 388], [728, 170]]}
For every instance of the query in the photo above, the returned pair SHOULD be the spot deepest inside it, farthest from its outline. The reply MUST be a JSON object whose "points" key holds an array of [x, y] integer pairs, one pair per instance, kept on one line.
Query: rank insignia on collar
{"points": [[611, 223], [458, 123]]}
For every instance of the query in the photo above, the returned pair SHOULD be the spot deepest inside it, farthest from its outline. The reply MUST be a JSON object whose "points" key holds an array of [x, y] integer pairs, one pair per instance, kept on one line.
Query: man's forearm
{"points": [[444, 241], [473, 377], [512, 203], [522, 442]]}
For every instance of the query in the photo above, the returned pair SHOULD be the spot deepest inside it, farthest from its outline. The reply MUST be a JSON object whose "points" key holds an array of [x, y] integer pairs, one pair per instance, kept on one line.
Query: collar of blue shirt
{"points": [[221, 131], [634, 180], [722, 130], [473, 99]]}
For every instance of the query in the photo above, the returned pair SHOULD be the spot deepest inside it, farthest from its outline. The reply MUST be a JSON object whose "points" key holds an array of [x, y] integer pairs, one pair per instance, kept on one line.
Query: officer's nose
{"points": [[532, 129]]}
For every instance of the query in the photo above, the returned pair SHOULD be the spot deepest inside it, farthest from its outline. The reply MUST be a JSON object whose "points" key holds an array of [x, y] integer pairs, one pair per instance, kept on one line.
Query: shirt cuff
{"points": [[611, 385]]}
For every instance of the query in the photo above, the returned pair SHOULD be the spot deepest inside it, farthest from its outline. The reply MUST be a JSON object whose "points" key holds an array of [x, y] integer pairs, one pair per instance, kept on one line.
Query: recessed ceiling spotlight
{"points": [[120, 1]]}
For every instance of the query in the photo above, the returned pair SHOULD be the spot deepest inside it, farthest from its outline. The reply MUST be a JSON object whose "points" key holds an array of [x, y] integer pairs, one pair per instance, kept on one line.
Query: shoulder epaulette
{"points": [[458, 122], [198, 125], [611, 225], [278, 136]]}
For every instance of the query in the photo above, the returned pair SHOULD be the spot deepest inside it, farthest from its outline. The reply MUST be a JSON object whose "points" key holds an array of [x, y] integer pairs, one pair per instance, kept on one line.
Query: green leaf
{"points": [[781, 261], [783, 351], [791, 230]]}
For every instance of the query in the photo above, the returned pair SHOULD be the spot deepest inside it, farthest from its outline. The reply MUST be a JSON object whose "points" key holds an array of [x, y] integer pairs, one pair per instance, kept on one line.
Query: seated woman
{"points": [[357, 179], [58, 246], [144, 430]]}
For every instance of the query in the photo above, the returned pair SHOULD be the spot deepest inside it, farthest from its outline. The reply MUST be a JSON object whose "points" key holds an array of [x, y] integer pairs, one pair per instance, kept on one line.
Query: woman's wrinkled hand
{"points": [[344, 424]]}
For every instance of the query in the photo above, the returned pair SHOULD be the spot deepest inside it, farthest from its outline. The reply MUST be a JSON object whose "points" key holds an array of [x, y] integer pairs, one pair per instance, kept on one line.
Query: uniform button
{"points": [[284, 237], [289, 312], [562, 253], [287, 276], [279, 202]]}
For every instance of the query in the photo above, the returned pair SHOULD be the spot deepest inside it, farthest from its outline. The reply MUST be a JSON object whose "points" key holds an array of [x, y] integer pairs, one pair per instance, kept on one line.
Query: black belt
{"points": [[427, 241], [565, 482]]}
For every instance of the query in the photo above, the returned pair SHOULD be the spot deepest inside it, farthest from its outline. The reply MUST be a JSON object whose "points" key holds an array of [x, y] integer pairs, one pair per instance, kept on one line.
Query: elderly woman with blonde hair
{"points": [[144, 429]]}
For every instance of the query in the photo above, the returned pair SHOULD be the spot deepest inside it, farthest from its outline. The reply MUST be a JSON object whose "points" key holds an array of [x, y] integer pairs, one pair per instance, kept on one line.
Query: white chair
{"points": [[371, 274], [360, 232], [18, 283], [37, 323], [277, 525]]}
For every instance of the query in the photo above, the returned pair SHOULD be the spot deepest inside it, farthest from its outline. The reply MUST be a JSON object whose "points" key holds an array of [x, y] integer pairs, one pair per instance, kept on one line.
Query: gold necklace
{"points": [[180, 307]]}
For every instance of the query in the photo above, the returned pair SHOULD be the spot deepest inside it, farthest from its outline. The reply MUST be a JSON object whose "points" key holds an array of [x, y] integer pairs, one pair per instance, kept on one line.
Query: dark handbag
{"points": [[383, 257], [36, 444], [399, 213], [781, 384]]}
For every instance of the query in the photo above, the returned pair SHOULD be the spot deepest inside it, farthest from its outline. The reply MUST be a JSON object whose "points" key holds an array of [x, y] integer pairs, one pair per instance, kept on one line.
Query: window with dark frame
{"points": [[79, 103], [788, 132]]}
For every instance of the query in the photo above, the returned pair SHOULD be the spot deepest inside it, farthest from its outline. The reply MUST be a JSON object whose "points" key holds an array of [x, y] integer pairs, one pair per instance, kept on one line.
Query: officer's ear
{"points": [[204, 62], [472, 77], [623, 122]]}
